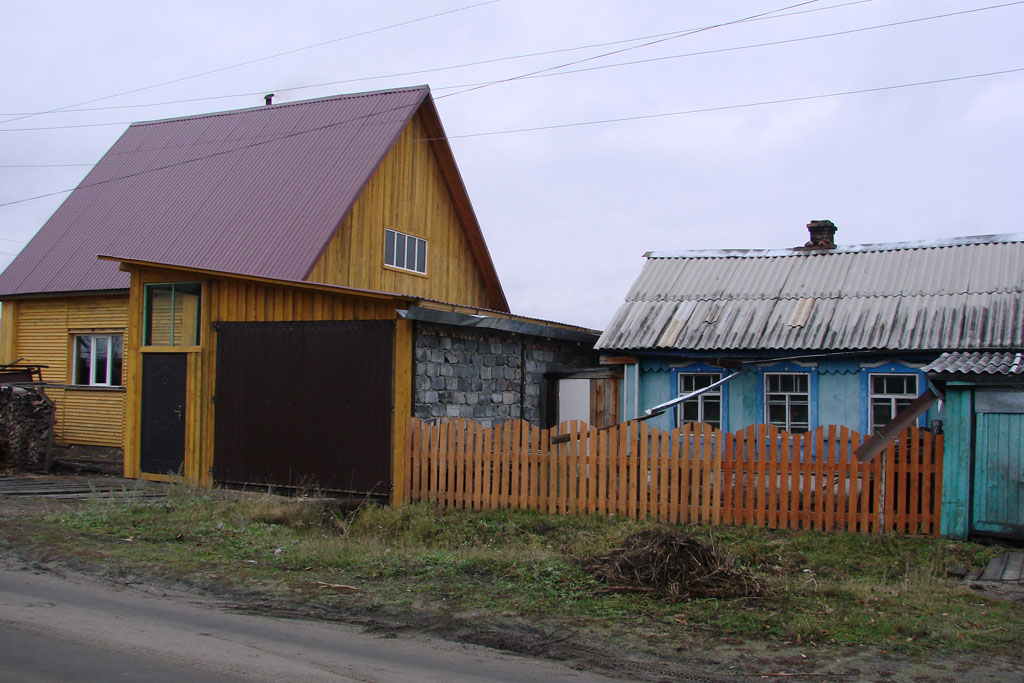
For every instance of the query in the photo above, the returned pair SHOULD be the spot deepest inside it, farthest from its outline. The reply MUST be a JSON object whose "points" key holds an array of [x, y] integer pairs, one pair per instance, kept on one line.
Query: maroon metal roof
{"points": [[255, 191]]}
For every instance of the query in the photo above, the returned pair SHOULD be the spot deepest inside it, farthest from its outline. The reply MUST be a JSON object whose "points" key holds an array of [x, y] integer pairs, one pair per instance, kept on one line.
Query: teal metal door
{"points": [[998, 492]]}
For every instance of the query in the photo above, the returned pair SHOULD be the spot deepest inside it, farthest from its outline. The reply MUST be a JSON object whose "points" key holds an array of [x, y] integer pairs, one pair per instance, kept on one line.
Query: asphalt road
{"points": [[76, 629]]}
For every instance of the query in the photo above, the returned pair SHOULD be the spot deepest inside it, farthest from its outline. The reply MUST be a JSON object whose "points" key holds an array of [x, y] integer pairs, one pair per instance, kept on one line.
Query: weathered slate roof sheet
{"points": [[958, 294], [960, 363]]}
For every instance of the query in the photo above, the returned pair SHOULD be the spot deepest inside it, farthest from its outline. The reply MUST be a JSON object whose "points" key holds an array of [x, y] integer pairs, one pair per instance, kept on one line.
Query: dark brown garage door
{"points": [[305, 404]]}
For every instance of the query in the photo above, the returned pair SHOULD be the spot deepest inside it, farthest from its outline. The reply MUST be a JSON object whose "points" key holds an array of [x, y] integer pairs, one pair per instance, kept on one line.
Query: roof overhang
{"points": [[127, 264]]}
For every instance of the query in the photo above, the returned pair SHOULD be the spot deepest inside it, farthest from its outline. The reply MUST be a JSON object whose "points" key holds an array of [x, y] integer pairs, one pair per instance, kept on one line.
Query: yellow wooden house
{"points": [[224, 295]]}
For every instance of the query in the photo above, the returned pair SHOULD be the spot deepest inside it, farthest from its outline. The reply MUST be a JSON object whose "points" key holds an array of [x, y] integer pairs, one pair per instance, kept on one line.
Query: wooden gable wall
{"points": [[408, 193]]}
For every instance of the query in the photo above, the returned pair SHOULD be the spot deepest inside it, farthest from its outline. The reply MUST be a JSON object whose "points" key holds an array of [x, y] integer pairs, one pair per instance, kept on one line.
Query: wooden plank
{"points": [[696, 462], [774, 435], [664, 487], [706, 484], [914, 520], [1014, 569], [515, 463], [785, 482], [819, 478], [995, 568], [412, 435], [831, 453], [928, 516], [602, 456], [450, 464], [842, 482], [623, 480], [643, 469], [593, 471], [544, 485], [718, 455]]}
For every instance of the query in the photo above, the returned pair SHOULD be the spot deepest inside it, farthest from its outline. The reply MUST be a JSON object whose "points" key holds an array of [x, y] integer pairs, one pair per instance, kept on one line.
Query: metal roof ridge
{"points": [[282, 105], [966, 240]]}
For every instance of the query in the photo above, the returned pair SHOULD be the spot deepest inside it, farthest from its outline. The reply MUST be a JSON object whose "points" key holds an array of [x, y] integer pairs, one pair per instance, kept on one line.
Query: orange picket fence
{"points": [[694, 474]]}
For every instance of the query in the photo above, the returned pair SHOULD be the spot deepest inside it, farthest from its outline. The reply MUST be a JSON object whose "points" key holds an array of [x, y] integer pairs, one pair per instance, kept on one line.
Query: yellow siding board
{"points": [[41, 333], [407, 193]]}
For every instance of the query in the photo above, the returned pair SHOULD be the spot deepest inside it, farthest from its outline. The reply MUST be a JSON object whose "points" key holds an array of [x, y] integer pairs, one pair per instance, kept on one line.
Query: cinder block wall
{"points": [[488, 375]]}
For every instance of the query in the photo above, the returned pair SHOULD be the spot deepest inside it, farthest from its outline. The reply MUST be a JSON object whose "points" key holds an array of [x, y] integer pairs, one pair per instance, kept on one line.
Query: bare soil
{"points": [[704, 657]]}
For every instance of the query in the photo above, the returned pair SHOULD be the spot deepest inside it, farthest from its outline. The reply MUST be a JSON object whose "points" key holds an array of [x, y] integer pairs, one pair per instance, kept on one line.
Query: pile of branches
{"points": [[671, 564], [26, 425]]}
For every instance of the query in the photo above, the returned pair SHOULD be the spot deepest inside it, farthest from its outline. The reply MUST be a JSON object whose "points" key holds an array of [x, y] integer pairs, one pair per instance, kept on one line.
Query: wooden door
{"points": [[164, 380], [997, 506]]}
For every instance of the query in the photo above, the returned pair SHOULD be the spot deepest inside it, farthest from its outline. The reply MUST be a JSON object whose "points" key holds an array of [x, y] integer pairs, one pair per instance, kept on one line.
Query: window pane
{"points": [[101, 350], [389, 247], [187, 304], [799, 416], [410, 252], [691, 411], [712, 411], [421, 256], [399, 250], [160, 316], [82, 356], [116, 359]]}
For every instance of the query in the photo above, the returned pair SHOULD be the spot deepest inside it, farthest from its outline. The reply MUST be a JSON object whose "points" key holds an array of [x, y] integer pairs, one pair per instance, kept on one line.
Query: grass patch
{"points": [[886, 592]]}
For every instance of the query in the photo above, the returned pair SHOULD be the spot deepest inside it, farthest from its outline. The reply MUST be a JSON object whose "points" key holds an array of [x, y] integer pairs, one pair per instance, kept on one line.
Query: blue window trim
{"points": [[810, 369], [677, 370], [888, 367]]}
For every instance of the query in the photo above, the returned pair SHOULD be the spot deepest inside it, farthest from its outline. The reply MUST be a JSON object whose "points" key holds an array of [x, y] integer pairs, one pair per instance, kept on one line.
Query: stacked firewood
{"points": [[26, 425]]}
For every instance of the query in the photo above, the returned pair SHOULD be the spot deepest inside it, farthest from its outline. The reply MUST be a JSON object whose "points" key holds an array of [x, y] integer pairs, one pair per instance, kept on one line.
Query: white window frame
{"points": [[699, 400], [896, 401], [391, 256], [95, 340], [789, 399]]}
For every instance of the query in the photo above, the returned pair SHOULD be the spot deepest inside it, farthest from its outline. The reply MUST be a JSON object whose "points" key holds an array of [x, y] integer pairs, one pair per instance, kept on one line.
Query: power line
{"points": [[258, 59], [627, 49], [734, 48], [575, 124], [431, 70], [751, 46], [745, 105]]}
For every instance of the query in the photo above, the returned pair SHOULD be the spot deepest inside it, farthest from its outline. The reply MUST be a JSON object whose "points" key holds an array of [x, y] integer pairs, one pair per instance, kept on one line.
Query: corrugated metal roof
{"points": [[960, 363], [257, 191], [962, 293]]}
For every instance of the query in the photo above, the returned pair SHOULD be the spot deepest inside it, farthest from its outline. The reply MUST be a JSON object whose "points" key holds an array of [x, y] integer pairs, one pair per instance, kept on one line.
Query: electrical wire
{"points": [[256, 60], [575, 124], [419, 72], [608, 66]]}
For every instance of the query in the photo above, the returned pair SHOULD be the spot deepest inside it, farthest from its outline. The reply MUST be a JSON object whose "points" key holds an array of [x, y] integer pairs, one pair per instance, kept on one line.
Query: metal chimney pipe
{"points": [[268, 99]]}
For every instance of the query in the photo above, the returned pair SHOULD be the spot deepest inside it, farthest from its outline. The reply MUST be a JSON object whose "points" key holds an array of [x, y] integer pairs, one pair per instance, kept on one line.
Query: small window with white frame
{"points": [[406, 252], [888, 394], [787, 400], [706, 407], [98, 360]]}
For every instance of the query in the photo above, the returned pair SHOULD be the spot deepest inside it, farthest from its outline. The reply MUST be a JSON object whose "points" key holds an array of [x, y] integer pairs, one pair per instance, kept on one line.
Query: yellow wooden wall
{"points": [[407, 193], [40, 331], [236, 300]]}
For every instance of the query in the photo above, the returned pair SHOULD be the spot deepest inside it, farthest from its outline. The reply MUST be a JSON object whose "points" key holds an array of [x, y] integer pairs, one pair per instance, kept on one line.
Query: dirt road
{"points": [[62, 629]]}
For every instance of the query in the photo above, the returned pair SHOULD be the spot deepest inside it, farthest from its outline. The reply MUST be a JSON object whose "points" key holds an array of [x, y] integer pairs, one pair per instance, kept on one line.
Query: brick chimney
{"points": [[823, 235]]}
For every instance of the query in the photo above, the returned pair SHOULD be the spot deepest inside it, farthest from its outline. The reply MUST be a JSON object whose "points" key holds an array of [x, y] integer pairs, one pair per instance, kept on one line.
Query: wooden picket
{"points": [[760, 475]]}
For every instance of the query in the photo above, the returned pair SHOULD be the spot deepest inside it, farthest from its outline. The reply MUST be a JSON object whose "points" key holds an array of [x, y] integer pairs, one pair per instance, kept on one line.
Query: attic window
{"points": [[405, 252]]}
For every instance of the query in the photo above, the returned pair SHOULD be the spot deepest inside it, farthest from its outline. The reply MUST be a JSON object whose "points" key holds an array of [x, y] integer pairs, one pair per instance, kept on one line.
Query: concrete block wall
{"points": [[488, 375]]}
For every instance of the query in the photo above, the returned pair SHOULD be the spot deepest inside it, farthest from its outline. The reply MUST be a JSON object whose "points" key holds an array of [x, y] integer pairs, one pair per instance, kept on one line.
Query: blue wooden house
{"points": [[814, 335]]}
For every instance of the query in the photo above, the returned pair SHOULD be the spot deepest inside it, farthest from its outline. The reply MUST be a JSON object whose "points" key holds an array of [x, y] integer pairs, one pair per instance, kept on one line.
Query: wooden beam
{"points": [[880, 439]]}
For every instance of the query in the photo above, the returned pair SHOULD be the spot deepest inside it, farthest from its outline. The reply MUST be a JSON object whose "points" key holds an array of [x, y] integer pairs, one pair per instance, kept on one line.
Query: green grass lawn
{"points": [[885, 592]]}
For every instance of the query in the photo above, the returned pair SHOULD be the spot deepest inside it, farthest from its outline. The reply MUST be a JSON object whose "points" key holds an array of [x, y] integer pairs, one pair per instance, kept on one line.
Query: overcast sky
{"points": [[569, 211]]}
